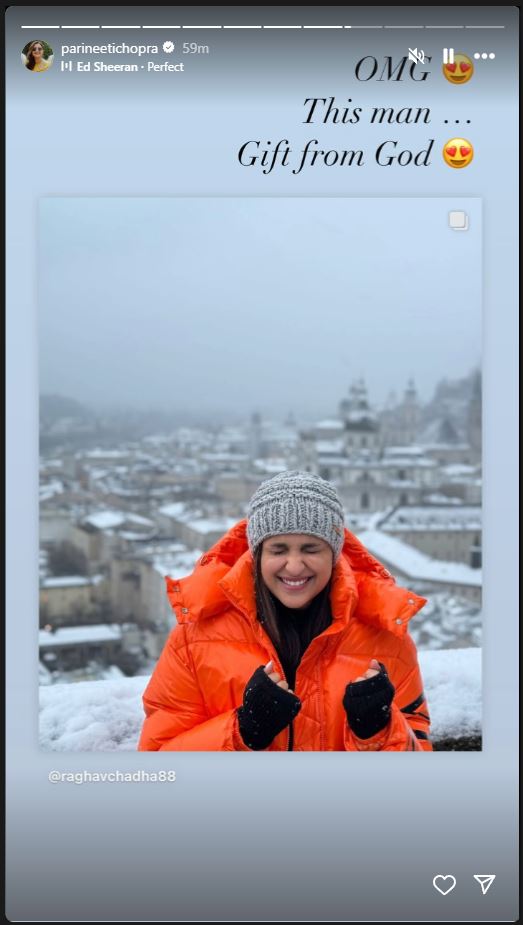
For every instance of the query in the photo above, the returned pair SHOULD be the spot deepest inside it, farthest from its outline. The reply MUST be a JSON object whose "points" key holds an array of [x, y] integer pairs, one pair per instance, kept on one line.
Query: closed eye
{"points": [[276, 551]]}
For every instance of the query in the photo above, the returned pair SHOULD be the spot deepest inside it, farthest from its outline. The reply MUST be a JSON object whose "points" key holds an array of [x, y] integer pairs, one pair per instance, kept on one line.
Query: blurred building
{"points": [[71, 599], [104, 533], [447, 532], [74, 646], [194, 530], [421, 572]]}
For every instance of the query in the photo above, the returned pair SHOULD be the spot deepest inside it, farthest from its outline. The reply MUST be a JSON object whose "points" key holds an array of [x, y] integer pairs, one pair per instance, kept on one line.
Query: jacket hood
{"points": [[361, 587]]}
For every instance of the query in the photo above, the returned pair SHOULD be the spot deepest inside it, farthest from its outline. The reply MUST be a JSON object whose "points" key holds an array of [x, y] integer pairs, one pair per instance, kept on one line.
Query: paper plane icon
{"points": [[485, 881]]}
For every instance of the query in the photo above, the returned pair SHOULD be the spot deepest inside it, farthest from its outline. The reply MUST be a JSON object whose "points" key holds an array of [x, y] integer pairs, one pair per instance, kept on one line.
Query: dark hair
{"points": [[289, 644]]}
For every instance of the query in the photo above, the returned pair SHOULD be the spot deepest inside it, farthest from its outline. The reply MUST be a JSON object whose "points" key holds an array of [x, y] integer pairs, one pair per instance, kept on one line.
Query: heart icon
{"points": [[444, 883], [464, 151], [464, 67], [451, 68], [451, 151]]}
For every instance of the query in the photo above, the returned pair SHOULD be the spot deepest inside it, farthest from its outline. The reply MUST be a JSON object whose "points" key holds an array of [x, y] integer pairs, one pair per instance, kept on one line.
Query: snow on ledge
{"points": [[107, 716]]}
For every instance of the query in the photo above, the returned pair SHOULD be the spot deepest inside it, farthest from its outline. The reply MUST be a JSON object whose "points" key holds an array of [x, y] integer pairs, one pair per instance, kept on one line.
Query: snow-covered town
{"points": [[121, 509]]}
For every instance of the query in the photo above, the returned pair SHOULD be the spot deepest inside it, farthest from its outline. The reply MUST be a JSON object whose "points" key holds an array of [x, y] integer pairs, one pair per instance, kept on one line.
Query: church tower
{"points": [[255, 436], [409, 416], [361, 426]]}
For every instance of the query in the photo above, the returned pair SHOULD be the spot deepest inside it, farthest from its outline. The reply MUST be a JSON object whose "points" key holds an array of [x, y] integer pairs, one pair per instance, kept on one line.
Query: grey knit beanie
{"points": [[296, 502]]}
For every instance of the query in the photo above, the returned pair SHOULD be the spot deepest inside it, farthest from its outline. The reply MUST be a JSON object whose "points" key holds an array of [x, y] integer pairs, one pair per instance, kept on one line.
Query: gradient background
{"points": [[319, 837]]}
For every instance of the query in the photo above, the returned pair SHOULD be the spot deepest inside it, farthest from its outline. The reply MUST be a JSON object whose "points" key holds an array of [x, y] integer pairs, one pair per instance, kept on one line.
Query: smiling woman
{"points": [[296, 568], [37, 56], [291, 636]]}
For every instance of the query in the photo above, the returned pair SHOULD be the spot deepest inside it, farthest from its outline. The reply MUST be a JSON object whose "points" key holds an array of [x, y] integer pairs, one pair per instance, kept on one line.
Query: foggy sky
{"points": [[254, 304]]}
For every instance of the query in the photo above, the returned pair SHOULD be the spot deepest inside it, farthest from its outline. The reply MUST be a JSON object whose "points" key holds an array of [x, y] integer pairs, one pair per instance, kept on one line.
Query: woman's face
{"points": [[296, 567], [37, 50]]}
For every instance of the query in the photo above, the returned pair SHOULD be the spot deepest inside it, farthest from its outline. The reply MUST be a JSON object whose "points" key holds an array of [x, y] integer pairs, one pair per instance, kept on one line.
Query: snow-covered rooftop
{"points": [[458, 470], [104, 454], [423, 517], [403, 451], [210, 525], [138, 520], [105, 520], [177, 564], [107, 716], [273, 466], [176, 509], [109, 520], [50, 489], [415, 565], [224, 457], [438, 498], [75, 635], [66, 581]]}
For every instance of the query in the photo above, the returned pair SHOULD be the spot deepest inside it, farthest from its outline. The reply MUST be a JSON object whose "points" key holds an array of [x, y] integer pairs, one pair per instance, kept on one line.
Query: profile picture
{"points": [[37, 56]]}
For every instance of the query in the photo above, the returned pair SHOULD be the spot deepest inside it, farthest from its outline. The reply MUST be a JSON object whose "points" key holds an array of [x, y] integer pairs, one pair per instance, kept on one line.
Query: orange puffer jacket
{"points": [[191, 699]]}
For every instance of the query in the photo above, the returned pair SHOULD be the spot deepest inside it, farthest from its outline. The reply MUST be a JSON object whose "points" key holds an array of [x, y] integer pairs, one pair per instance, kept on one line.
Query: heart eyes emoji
{"points": [[459, 70], [458, 152]]}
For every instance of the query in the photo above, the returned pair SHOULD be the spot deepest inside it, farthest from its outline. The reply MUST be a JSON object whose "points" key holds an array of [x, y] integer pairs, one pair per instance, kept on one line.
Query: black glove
{"points": [[367, 703], [267, 709]]}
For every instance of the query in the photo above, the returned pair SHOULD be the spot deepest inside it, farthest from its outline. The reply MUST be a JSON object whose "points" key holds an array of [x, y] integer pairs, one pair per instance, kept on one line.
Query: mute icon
{"points": [[417, 57], [485, 881]]}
